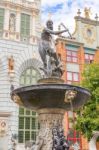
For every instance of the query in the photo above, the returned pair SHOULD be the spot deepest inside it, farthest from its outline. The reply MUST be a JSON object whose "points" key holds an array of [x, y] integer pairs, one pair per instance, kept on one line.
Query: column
{"points": [[96, 57], [60, 49], [97, 33], [6, 19], [33, 28], [6, 23], [78, 33], [81, 60], [18, 24]]}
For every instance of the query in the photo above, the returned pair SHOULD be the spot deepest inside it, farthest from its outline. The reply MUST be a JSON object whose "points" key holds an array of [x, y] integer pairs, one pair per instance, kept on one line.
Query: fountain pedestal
{"points": [[50, 97], [50, 119]]}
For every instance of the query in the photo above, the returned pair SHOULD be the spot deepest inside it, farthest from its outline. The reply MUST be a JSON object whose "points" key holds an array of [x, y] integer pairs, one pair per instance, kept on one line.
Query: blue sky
{"points": [[65, 10]]}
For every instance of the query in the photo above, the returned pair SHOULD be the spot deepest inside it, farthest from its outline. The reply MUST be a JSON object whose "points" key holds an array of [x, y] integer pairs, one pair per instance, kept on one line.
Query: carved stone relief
{"points": [[48, 119]]}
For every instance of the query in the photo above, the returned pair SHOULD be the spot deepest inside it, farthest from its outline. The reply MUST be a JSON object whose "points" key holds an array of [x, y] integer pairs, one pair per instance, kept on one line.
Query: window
{"points": [[89, 58], [73, 136], [72, 56], [25, 25], [30, 76], [72, 77], [1, 18], [28, 123]]}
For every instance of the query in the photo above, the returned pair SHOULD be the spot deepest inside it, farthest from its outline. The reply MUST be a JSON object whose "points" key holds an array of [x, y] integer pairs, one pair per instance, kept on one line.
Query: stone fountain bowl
{"points": [[50, 96]]}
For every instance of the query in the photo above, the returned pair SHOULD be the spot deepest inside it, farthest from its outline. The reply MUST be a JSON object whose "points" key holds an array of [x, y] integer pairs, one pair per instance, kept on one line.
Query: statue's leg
{"points": [[52, 52], [56, 58], [54, 55], [42, 53]]}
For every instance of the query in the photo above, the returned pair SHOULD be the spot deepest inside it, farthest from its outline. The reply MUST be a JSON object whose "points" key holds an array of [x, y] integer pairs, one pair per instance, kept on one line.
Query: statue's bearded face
{"points": [[50, 25]]}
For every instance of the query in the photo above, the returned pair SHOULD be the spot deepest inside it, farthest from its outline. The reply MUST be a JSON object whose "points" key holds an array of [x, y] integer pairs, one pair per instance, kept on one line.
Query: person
{"points": [[47, 47]]}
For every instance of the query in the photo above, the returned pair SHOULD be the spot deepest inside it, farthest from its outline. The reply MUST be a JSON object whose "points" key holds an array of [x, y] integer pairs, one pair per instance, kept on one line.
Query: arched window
{"points": [[28, 123]]}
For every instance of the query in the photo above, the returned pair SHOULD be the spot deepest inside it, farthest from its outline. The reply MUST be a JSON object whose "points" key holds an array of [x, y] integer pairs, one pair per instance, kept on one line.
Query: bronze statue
{"points": [[51, 62], [59, 141]]}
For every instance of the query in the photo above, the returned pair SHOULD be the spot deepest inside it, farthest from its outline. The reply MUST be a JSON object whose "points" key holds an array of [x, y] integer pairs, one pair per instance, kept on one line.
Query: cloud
{"points": [[52, 2], [65, 10]]}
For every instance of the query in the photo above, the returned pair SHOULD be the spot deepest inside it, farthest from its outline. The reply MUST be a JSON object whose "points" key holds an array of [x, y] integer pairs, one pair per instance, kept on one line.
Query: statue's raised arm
{"points": [[55, 32]]}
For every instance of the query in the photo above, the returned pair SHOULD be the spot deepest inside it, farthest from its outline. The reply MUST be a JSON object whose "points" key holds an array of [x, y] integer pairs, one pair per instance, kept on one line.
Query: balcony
{"points": [[22, 3]]}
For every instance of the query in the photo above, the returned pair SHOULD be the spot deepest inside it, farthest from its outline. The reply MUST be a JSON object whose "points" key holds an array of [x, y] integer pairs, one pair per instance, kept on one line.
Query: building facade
{"points": [[82, 49], [20, 28]]}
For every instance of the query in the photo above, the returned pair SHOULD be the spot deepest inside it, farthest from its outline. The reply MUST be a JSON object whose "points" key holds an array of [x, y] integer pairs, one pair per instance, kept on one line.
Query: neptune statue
{"points": [[51, 62]]}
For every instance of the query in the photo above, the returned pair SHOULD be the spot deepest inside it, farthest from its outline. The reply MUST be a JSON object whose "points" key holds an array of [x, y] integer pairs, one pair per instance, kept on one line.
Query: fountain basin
{"points": [[49, 96]]}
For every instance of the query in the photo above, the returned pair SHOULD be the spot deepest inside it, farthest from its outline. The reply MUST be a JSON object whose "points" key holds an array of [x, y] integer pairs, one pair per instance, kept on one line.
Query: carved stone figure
{"points": [[12, 22], [29, 144], [87, 12], [48, 123], [47, 50], [76, 146], [59, 141], [11, 63], [39, 143], [14, 141]]}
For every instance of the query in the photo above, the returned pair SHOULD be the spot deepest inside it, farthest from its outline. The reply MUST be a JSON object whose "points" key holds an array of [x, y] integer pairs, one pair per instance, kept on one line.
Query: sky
{"points": [[64, 11]]}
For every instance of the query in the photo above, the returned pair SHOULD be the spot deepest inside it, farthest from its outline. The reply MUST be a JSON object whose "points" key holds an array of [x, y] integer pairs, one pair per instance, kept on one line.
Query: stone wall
{"points": [[24, 55]]}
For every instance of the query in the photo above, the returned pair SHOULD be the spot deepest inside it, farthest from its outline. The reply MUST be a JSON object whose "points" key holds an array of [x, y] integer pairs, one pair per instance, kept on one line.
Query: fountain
{"points": [[50, 97]]}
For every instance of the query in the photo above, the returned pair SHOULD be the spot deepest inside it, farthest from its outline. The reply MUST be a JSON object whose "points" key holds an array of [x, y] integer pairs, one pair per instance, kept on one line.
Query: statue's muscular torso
{"points": [[46, 35]]}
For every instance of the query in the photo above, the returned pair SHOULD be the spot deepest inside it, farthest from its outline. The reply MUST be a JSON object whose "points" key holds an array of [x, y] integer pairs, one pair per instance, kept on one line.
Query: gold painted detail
{"points": [[89, 33], [87, 12]]}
